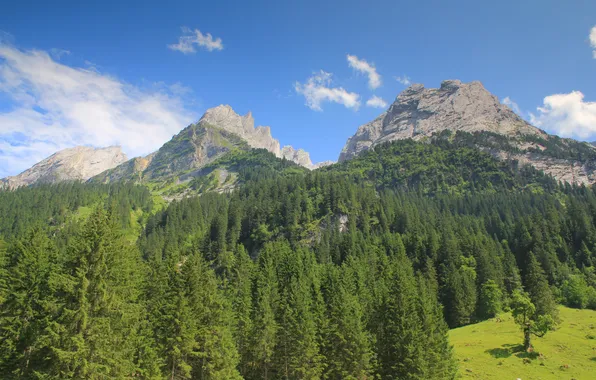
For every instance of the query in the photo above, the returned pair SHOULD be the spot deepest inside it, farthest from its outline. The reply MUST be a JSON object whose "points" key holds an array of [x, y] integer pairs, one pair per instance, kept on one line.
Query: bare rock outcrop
{"points": [[419, 112], [74, 164], [224, 117]]}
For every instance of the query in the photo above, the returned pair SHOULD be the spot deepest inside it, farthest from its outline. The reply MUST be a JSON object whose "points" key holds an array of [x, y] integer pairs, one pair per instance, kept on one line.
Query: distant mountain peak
{"points": [[419, 112], [224, 117], [73, 164]]}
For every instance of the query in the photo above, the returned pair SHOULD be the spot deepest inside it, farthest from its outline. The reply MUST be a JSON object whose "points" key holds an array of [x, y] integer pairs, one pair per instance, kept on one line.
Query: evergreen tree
{"points": [[98, 294], [346, 347], [215, 355], [28, 307], [439, 362], [400, 348], [538, 289], [490, 300]]}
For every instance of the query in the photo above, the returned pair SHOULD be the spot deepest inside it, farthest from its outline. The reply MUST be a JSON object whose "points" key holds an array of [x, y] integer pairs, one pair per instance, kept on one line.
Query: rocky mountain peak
{"points": [[224, 117], [73, 164], [419, 112]]}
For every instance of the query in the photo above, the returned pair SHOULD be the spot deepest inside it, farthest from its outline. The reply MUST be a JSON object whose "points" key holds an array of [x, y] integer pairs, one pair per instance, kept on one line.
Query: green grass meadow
{"points": [[492, 349]]}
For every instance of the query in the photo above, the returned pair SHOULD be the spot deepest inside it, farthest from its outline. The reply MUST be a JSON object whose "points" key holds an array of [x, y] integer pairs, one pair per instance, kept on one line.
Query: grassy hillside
{"points": [[492, 350]]}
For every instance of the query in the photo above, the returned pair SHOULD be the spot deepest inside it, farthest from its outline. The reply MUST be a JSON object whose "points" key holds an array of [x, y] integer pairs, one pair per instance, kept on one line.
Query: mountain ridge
{"points": [[72, 164], [218, 131], [418, 113]]}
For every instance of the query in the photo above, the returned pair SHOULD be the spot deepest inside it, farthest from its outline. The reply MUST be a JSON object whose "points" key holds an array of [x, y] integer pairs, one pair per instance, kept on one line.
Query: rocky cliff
{"points": [[420, 112], [219, 131], [224, 117], [75, 164]]}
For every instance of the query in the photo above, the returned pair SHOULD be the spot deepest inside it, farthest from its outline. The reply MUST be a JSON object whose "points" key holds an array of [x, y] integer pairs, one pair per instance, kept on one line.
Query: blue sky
{"points": [[76, 73]]}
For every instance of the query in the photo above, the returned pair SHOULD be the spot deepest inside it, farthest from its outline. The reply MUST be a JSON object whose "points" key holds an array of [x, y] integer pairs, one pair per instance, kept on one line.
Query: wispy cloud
{"points": [[316, 91], [190, 39], [567, 115], [405, 80], [374, 79], [376, 102], [57, 54], [55, 106], [511, 104], [593, 41]]}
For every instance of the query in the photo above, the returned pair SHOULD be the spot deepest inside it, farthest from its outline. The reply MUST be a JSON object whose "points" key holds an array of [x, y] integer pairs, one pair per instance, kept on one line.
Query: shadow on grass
{"points": [[593, 359], [507, 350]]}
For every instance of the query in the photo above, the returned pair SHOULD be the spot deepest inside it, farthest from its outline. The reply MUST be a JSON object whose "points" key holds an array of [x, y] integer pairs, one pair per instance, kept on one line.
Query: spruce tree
{"points": [[439, 362], [95, 331], [538, 289], [346, 346], [400, 351], [28, 307]]}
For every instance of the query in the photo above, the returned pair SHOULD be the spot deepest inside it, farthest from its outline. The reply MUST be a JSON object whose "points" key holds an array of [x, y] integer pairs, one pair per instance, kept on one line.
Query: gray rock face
{"points": [[418, 112], [218, 132], [323, 164], [299, 156], [224, 117], [75, 164]]}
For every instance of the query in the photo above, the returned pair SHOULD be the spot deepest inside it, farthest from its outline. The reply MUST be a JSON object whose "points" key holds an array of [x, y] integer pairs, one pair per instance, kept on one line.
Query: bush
{"points": [[575, 291]]}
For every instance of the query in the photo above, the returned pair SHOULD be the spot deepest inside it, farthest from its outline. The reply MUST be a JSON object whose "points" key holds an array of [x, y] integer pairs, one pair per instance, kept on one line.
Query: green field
{"points": [[492, 350]]}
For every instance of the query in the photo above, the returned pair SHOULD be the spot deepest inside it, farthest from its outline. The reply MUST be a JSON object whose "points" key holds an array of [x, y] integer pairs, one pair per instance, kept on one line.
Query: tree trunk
{"points": [[527, 335]]}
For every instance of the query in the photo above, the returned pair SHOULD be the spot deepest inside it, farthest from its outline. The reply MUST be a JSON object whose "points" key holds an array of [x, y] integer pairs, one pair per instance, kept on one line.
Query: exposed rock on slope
{"points": [[75, 164], [218, 132], [419, 112], [299, 156], [224, 117]]}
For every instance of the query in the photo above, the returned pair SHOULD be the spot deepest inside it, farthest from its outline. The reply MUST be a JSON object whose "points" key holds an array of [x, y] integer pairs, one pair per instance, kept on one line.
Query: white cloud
{"points": [[54, 106], [190, 38], [511, 104], [593, 40], [58, 53], [376, 102], [405, 80], [317, 91], [374, 79], [567, 115]]}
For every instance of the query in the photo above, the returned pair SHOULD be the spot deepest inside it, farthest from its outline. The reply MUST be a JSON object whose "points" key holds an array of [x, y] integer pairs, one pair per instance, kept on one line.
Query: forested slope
{"points": [[353, 271]]}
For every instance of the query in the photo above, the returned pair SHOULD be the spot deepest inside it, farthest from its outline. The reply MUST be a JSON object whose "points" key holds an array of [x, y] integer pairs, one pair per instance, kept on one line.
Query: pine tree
{"points": [[239, 291], [28, 307], [490, 300], [537, 287], [215, 354], [346, 347], [438, 354], [399, 330], [263, 336], [99, 294]]}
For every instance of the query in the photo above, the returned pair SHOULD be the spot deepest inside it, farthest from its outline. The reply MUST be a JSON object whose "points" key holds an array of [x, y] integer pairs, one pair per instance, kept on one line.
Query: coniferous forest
{"points": [[354, 271]]}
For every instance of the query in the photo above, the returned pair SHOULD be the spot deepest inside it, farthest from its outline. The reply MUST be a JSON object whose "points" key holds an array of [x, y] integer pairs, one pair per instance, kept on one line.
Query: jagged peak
{"points": [[224, 116], [418, 112]]}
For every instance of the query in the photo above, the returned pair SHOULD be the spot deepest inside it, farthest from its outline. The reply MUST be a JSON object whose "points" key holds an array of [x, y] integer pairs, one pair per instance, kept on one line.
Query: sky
{"points": [[134, 73]]}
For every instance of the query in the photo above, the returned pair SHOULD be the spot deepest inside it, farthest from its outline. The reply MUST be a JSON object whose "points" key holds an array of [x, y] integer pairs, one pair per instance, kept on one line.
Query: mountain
{"points": [[212, 144], [74, 164], [478, 118], [224, 117]]}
